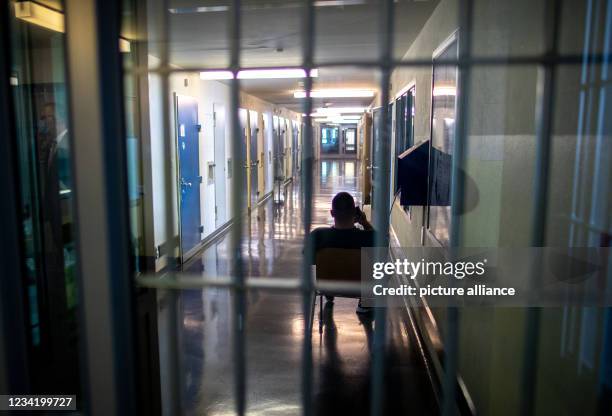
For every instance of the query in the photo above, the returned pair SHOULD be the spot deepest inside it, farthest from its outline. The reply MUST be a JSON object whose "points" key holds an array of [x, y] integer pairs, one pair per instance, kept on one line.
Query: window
{"points": [[329, 140], [443, 113], [404, 126]]}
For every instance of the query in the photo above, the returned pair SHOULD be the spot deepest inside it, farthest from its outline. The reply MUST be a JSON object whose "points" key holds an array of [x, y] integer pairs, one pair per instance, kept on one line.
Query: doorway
{"points": [[219, 164], [350, 140]]}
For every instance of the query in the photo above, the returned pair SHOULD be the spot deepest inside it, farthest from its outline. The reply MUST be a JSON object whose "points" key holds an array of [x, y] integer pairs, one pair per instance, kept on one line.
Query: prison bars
{"points": [[239, 284]]}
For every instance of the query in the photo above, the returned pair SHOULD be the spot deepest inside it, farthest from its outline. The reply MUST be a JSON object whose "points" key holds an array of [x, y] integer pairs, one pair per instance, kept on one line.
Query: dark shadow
{"points": [[340, 392]]}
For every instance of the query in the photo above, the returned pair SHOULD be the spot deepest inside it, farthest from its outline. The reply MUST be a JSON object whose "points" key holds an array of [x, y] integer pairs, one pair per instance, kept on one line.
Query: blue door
{"points": [[189, 171]]}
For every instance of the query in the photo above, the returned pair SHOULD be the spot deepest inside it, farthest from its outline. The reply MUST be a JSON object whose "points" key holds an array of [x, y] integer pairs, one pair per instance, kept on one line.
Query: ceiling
{"points": [[346, 30]]}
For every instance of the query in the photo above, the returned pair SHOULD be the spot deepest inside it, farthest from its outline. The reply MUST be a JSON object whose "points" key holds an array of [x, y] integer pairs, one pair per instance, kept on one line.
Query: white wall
{"points": [[206, 93], [158, 152]]}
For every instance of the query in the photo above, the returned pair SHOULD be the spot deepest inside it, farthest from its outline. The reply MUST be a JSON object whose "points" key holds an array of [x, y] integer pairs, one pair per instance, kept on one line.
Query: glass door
{"points": [[43, 140]]}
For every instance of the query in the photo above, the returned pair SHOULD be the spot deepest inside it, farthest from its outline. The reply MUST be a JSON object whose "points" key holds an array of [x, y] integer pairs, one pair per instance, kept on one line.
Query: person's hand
{"points": [[360, 216]]}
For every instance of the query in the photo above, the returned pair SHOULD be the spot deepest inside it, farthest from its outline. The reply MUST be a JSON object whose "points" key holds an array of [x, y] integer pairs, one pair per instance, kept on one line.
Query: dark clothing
{"points": [[329, 237]]}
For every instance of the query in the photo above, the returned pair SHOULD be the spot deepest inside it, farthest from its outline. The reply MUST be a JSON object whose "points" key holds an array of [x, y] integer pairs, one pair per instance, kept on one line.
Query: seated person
{"points": [[344, 234]]}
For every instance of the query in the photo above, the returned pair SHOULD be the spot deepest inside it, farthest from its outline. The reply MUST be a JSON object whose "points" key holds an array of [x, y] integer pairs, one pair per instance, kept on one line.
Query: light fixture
{"points": [[338, 119], [281, 73], [335, 93], [43, 16], [444, 90], [339, 110], [40, 15], [216, 75], [124, 45], [276, 73]]}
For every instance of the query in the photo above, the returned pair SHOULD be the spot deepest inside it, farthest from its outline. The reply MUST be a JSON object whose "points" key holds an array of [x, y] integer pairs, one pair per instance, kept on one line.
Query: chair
{"points": [[339, 264]]}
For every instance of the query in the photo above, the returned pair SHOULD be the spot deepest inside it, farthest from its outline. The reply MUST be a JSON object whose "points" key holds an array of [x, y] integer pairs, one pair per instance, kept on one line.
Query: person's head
{"points": [[343, 210], [52, 119]]}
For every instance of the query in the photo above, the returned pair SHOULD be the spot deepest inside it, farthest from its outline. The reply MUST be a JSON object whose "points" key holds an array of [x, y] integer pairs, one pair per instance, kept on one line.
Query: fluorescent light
{"points": [[201, 9], [338, 3], [51, 19], [340, 110], [259, 74], [216, 75], [338, 119], [124, 45], [444, 90], [276, 73], [39, 15], [335, 93]]}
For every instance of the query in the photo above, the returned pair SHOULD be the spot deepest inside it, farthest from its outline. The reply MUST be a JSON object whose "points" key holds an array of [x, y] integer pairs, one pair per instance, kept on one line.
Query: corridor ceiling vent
{"points": [[282, 73], [335, 93]]}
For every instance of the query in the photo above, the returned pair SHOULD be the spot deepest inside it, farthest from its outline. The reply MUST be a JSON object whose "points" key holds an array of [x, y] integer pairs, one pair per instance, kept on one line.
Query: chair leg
{"points": [[313, 305], [320, 314]]}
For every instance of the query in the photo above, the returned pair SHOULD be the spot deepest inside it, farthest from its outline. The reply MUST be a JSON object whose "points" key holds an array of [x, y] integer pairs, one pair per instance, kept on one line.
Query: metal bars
{"points": [[308, 295], [451, 341], [544, 129], [238, 150], [380, 203], [239, 284], [99, 163]]}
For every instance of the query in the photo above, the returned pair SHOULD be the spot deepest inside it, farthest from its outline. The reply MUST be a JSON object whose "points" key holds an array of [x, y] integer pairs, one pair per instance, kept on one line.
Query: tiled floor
{"points": [[272, 247]]}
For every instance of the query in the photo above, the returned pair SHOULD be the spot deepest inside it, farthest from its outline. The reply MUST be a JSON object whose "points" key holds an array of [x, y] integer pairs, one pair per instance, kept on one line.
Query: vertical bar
{"points": [[99, 161], [381, 202], [13, 347], [173, 366], [544, 127], [307, 169], [238, 155], [451, 341]]}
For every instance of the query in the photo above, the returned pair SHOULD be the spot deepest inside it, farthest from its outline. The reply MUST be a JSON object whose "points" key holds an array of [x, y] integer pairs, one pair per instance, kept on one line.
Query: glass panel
{"points": [[329, 140], [442, 138], [40, 94], [132, 99]]}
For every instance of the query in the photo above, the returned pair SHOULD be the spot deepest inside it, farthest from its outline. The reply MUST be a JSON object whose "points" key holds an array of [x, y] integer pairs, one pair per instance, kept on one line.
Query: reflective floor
{"points": [[272, 247]]}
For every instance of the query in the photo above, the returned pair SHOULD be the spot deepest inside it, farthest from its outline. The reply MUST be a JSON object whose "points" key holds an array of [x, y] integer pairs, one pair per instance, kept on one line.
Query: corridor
{"points": [[272, 247]]}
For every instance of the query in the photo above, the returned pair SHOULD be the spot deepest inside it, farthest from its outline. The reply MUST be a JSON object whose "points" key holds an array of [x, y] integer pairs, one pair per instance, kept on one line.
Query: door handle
{"points": [[184, 183]]}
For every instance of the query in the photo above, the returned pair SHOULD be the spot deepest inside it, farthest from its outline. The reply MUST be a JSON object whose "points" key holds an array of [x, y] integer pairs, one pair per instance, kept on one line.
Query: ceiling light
{"points": [[276, 73], [444, 90], [40, 15], [259, 74], [216, 75], [201, 9], [124, 45], [335, 93], [340, 110], [338, 3]]}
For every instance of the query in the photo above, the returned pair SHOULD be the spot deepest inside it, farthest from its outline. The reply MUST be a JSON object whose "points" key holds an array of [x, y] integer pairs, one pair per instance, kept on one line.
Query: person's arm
{"points": [[363, 220]]}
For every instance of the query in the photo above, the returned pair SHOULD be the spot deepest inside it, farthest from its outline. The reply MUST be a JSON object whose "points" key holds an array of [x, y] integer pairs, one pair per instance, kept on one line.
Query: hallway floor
{"points": [[272, 247]]}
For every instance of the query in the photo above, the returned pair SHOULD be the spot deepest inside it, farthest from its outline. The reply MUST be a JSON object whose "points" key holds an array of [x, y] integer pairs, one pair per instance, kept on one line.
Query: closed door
{"points": [[253, 158], [244, 136], [189, 171]]}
